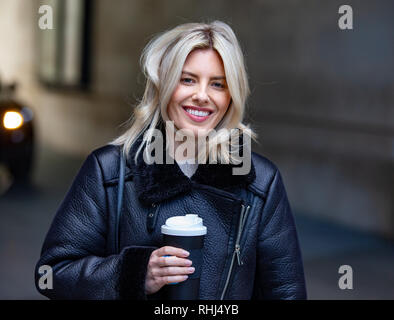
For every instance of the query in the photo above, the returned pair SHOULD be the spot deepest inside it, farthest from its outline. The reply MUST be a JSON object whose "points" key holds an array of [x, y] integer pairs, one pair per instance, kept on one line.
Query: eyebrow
{"points": [[194, 75]]}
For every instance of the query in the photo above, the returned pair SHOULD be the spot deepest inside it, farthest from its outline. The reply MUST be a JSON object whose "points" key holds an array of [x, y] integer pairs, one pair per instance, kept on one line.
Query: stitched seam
{"points": [[257, 191], [115, 181], [106, 198], [276, 206]]}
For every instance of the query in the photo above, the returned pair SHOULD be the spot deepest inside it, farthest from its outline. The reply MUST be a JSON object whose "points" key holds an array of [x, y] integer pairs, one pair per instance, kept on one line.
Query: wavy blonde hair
{"points": [[162, 62]]}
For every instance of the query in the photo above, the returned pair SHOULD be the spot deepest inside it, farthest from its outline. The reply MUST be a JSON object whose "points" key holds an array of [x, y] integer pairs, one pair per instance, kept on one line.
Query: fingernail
{"points": [[191, 269], [185, 253]]}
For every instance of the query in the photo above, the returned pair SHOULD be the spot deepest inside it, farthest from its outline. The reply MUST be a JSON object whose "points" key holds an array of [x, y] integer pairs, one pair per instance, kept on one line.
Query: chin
{"points": [[199, 129]]}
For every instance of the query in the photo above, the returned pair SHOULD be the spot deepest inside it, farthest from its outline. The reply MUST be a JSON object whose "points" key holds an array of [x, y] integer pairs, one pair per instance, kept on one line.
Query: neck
{"points": [[187, 147], [183, 150]]}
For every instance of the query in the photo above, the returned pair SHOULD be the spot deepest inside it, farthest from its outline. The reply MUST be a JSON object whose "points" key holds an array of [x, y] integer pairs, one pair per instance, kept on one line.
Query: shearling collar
{"points": [[155, 183]]}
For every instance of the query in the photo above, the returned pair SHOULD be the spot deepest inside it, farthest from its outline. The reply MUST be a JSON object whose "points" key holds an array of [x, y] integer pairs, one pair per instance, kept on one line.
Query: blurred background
{"points": [[322, 103]]}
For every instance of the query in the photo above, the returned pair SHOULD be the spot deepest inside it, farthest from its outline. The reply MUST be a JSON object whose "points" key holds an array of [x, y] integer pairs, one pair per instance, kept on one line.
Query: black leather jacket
{"points": [[79, 246]]}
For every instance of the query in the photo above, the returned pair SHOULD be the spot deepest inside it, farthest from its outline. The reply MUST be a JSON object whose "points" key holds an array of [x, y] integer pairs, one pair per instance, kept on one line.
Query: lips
{"points": [[197, 114], [198, 108]]}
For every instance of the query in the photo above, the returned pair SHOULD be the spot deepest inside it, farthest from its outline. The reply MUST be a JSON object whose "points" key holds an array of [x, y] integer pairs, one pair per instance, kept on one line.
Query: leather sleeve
{"points": [[75, 247], [280, 272]]}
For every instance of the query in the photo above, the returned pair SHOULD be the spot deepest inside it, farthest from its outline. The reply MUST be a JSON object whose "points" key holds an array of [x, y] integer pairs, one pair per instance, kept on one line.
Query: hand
{"points": [[163, 270]]}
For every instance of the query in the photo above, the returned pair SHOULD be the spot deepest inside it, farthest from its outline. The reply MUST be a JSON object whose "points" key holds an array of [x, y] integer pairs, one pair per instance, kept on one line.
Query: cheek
{"points": [[180, 94], [172, 105], [223, 103]]}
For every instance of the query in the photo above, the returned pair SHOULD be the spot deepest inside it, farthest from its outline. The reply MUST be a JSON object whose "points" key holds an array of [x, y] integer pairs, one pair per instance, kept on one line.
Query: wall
{"points": [[322, 98]]}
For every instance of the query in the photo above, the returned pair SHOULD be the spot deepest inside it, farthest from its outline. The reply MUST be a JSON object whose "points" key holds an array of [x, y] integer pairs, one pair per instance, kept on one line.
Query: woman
{"points": [[196, 81]]}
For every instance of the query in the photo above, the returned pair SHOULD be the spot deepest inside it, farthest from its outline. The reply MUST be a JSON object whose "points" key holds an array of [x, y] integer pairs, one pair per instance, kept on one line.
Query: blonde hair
{"points": [[162, 62]]}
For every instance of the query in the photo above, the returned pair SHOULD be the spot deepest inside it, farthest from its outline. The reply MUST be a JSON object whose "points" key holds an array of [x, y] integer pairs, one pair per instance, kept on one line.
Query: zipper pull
{"points": [[238, 252]]}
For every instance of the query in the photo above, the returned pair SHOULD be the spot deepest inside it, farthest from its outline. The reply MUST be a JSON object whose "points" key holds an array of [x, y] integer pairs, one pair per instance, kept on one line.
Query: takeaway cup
{"points": [[186, 232]]}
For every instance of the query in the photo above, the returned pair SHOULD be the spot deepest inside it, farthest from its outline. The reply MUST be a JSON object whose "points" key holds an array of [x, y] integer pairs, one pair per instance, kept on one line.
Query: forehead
{"points": [[204, 60]]}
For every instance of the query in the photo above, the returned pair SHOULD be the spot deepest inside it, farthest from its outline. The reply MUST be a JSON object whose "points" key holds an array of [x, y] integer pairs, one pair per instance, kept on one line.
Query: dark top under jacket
{"points": [[80, 246]]}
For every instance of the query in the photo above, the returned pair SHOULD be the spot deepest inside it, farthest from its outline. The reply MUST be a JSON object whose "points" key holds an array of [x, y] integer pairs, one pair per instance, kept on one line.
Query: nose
{"points": [[201, 95]]}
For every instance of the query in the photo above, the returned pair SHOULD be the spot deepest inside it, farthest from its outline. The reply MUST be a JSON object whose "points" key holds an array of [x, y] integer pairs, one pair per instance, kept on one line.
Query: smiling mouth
{"points": [[197, 114]]}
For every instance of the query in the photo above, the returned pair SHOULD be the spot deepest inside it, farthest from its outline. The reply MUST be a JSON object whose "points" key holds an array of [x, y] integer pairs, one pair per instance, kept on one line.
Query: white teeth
{"points": [[197, 113]]}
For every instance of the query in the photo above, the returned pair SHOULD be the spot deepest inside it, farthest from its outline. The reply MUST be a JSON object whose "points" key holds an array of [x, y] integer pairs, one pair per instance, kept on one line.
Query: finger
{"points": [[173, 279], [171, 251], [174, 271], [173, 261]]}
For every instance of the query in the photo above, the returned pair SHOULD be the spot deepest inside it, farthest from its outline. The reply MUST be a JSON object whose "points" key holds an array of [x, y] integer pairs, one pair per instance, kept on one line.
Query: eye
{"points": [[218, 85], [187, 80]]}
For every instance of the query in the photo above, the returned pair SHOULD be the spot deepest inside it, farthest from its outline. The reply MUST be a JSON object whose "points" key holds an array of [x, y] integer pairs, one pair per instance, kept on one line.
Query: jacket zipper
{"points": [[237, 247]]}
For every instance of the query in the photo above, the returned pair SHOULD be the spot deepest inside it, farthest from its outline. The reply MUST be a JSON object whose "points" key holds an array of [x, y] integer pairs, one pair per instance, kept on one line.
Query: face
{"points": [[201, 98]]}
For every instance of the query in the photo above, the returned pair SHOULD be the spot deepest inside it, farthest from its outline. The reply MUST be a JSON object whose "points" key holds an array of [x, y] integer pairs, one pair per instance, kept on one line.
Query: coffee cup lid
{"points": [[187, 225]]}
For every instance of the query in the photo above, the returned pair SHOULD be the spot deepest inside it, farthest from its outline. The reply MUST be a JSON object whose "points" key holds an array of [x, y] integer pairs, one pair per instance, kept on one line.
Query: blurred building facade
{"points": [[322, 98]]}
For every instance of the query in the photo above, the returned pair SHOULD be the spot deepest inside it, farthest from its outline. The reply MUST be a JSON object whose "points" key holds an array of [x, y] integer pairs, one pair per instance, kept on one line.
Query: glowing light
{"points": [[12, 120]]}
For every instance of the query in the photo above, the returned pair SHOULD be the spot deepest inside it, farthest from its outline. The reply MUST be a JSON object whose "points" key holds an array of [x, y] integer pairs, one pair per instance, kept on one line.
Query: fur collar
{"points": [[155, 183]]}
